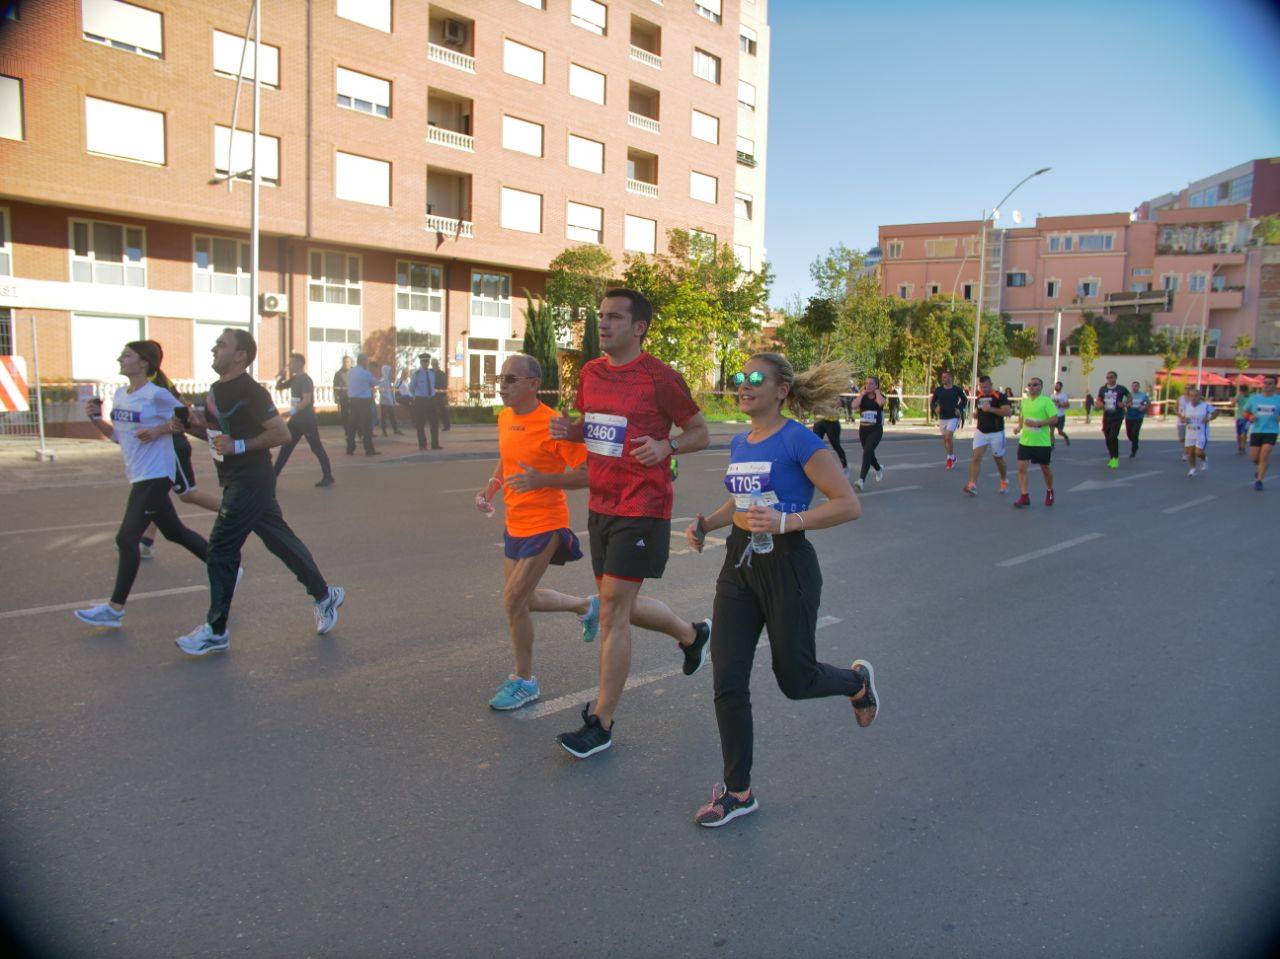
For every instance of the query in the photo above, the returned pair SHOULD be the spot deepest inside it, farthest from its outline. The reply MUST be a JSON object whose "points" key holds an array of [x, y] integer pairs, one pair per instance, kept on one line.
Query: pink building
{"points": [[1202, 253]]}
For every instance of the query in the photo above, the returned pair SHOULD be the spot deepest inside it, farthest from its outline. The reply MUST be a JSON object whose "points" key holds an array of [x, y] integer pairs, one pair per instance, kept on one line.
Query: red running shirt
{"points": [[620, 404]]}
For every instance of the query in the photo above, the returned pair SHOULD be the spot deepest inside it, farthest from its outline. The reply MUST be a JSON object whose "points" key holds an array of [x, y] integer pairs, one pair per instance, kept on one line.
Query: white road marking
{"points": [[881, 492], [109, 522], [1036, 554], [1194, 502], [1093, 484], [61, 607], [550, 707]]}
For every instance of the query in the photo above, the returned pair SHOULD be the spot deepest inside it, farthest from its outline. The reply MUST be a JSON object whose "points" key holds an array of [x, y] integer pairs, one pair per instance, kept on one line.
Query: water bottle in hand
{"points": [[760, 542]]}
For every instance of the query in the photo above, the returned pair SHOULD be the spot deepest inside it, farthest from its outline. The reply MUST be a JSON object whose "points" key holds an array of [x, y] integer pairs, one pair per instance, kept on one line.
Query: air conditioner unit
{"points": [[272, 303], [455, 32]]}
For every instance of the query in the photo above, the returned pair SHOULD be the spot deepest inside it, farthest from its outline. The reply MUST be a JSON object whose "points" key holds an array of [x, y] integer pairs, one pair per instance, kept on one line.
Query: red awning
{"points": [[1206, 378], [1244, 379]]}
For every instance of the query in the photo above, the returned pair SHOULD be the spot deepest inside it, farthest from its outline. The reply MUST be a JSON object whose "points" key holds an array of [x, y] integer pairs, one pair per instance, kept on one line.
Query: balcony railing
{"points": [[746, 159], [451, 138], [451, 58], [644, 56], [644, 123], [642, 188], [449, 226]]}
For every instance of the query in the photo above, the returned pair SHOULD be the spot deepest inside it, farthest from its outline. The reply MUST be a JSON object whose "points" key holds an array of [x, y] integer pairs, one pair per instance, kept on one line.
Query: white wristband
{"points": [[782, 524], [239, 447]]}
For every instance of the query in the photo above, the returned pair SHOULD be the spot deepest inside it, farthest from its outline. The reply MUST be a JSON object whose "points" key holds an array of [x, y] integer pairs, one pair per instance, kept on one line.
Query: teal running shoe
{"points": [[590, 620], [514, 693]]}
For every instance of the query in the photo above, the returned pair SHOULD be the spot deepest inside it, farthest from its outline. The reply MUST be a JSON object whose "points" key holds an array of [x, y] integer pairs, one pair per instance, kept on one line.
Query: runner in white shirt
{"points": [[140, 422], [1062, 401], [1195, 416]]}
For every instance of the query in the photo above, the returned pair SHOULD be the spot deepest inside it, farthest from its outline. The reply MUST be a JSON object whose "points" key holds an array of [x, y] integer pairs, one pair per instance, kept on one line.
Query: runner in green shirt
{"points": [[1039, 414]]}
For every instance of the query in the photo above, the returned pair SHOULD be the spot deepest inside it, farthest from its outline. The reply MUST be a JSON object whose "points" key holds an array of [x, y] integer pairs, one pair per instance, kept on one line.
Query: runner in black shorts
{"points": [[629, 401]]}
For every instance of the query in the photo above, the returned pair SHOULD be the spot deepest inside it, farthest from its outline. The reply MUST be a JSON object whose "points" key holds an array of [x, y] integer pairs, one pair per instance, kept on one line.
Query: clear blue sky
{"points": [[904, 112]]}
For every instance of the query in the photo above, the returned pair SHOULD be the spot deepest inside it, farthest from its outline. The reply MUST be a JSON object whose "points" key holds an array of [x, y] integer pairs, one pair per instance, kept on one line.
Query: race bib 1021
{"points": [[604, 434], [747, 480]]}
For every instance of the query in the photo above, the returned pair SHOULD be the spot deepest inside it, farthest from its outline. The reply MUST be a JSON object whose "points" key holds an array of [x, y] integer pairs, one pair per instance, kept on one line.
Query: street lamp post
{"points": [[982, 270]]}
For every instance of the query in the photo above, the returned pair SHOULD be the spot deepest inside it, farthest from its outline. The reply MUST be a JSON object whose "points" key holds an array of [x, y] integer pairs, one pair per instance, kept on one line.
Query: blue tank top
{"points": [[774, 468]]}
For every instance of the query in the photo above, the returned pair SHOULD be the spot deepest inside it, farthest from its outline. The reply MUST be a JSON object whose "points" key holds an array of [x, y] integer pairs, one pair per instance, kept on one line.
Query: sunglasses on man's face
{"points": [[754, 378], [509, 379]]}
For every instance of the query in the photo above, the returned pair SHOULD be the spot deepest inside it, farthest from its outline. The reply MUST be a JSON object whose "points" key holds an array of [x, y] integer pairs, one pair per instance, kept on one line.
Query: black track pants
{"points": [[249, 506], [1111, 433], [300, 426], [830, 431], [869, 437], [1131, 429], [780, 590], [149, 503]]}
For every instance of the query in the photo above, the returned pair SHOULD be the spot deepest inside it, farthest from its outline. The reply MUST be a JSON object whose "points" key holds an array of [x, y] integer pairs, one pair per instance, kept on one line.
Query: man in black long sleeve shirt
{"points": [[948, 403], [302, 417]]}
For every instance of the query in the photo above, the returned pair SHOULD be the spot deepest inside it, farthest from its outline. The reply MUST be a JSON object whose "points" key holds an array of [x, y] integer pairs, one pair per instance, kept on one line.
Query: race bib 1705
{"points": [[604, 434], [747, 480], [870, 417]]}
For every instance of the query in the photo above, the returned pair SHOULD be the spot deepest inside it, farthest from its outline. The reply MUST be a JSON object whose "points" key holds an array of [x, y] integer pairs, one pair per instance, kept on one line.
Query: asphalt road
{"points": [[1076, 754]]}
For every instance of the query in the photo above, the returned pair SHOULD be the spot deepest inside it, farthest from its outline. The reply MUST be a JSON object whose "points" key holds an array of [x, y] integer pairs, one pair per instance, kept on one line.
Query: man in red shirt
{"points": [[629, 401]]}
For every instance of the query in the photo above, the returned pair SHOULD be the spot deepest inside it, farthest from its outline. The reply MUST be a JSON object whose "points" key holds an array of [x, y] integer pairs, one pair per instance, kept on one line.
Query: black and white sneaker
{"points": [[590, 739], [866, 704], [696, 653]]}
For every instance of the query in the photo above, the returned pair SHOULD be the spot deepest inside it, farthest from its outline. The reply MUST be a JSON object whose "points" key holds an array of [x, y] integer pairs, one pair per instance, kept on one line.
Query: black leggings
{"points": [[1111, 432], [780, 590], [830, 431], [869, 437], [1131, 429], [304, 424], [149, 503], [249, 506]]}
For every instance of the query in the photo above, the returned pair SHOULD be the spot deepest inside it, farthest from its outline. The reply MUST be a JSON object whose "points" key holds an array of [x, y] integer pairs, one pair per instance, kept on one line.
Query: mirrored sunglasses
{"points": [[754, 378]]}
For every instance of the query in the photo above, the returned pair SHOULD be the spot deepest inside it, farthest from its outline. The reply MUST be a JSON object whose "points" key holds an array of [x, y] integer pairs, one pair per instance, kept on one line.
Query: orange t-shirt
{"points": [[526, 441]]}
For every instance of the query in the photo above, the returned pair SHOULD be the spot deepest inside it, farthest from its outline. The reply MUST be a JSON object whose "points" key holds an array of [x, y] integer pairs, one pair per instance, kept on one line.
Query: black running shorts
{"points": [[1035, 454], [1262, 439], [184, 477], [628, 547]]}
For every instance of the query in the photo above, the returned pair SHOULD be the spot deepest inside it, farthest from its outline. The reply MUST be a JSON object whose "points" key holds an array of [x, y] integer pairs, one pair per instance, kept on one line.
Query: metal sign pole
{"points": [[43, 453]]}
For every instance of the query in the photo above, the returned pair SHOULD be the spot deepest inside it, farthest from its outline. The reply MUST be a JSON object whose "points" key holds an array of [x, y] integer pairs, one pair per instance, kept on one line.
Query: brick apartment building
{"points": [[422, 164], [1197, 244]]}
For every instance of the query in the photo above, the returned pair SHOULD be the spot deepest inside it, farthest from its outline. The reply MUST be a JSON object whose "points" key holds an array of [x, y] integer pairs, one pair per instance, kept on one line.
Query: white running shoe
{"points": [[327, 609], [857, 484], [202, 641], [101, 615], [1204, 466], [879, 475], [145, 551], [1192, 471]]}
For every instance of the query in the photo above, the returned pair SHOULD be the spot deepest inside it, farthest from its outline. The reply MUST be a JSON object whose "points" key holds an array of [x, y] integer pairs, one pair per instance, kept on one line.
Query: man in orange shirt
{"points": [[533, 472]]}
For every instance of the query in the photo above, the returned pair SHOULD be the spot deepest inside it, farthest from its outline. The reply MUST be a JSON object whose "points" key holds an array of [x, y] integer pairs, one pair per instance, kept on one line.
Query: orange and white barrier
{"points": [[13, 385]]}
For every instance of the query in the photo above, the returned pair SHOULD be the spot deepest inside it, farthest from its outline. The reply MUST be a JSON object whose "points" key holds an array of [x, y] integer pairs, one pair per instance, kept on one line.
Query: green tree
{"points": [[576, 283], [1024, 345], [1242, 346], [1087, 346], [1267, 230], [1173, 349], [540, 342], [836, 272]]}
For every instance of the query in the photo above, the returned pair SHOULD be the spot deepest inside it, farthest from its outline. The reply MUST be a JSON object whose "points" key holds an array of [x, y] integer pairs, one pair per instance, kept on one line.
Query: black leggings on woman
{"points": [[149, 503], [830, 431], [780, 590], [869, 437]]}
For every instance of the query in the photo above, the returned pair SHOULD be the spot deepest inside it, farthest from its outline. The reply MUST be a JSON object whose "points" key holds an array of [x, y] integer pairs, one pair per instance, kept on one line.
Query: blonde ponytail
{"points": [[816, 389]]}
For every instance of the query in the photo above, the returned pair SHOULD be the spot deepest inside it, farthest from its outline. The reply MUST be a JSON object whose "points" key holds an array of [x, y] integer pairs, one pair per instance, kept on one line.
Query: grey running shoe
{"points": [[327, 609], [202, 641], [101, 615]]}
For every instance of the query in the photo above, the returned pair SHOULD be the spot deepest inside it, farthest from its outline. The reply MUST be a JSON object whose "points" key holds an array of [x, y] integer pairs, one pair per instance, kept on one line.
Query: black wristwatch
{"points": [[675, 444]]}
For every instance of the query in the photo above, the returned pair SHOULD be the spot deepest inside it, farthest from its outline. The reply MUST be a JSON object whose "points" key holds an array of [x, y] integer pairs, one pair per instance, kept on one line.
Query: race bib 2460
{"points": [[746, 480], [604, 434]]}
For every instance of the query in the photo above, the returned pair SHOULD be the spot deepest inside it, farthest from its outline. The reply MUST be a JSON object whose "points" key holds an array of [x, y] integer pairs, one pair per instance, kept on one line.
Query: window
{"points": [[747, 40], [123, 26], [1241, 189], [966, 292], [1051, 288], [227, 50], [701, 242], [586, 223], [6, 332], [1094, 242], [524, 62], [108, 253], [1169, 281], [1087, 287], [939, 248], [221, 266], [521, 211], [639, 234], [1142, 271], [742, 252], [10, 108], [702, 187], [1015, 279], [1211, 343], [586, 154], [536, 4], [747, 94], [419, 286], [934, 289], [335, 278], [1048, 336], [904, 291], [586, 84], [971, 246], [491, 294], [893, 249], [1196, 283], [1219, 283], [707, 8], [372, 13], [746, 146], [128, 133], [705, 127], [522, 136], [359, 91], [6, 250], [589, 15], [742, 203], [706, 66], [241, 159], [362, 179]]}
